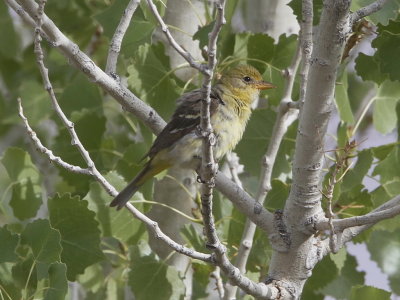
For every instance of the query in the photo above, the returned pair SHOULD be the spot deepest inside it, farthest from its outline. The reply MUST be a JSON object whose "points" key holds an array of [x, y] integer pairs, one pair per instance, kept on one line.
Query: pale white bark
{"points": [[367, 10], [173, 42], [294, 263], [185, 18], [116, 41]]}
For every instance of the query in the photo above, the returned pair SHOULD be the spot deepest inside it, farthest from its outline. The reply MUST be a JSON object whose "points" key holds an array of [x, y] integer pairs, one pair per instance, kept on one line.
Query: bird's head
{"points": [[244, 82]]}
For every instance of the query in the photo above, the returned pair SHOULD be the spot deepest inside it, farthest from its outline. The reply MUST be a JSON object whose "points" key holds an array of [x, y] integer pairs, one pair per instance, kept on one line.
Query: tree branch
{"points": [[245, 203], [375, 216], [125, 97], [284, 119], [40, 147], [367, 10], [306, 40], [82, 62], [116, 41], [92, 170], [185, 54]]}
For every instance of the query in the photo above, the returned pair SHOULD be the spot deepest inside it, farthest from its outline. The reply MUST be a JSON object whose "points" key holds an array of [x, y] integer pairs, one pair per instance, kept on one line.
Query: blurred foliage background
{"points": [[59, 239]]}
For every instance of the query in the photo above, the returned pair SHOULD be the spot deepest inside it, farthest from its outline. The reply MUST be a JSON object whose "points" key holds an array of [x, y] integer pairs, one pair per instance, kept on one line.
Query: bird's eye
{"points": [[247, 78]]}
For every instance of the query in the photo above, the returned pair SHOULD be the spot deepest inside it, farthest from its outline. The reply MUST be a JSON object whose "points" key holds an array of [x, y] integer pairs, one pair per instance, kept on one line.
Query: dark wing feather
{"points": [[184, 120]]}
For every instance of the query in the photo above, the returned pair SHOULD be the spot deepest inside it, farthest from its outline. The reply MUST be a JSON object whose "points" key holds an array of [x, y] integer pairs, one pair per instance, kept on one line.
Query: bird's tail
{"points": [[148, 171]]}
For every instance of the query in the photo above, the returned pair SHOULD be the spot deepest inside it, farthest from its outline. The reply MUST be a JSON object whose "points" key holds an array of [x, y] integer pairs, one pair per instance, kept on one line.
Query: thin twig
{"points": [[85, 154], [372, 217], [245, 203], [116, 41], [208, 166], [367, 10], [158, 233], [87, 66], [185, 54], [208, 172], [284, 119], [216, 274], [233, 163], [40, 147]]}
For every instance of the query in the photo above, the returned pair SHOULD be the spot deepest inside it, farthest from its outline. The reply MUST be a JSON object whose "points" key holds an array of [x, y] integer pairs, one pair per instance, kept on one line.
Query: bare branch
{"points": [[40, 147], [216, 274], [153, 226], [83, 63], [116, 41], [284, 119], [367, 10], [49, 88], [371, 218], [245, 203], [185, 54], [233, 163], [158, 233], [351, 232]]}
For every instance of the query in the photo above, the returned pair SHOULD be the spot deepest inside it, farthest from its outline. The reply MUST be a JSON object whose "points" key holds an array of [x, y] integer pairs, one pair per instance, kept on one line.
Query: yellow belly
{"points": [[228, 128]]}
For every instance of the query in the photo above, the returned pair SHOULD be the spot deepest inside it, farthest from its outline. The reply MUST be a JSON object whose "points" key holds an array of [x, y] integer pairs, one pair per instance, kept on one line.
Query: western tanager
{"points": [[180, 144]]}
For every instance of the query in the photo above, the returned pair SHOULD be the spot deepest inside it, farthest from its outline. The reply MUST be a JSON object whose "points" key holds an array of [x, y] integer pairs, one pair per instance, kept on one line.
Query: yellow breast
{"points": [[228, 126]]}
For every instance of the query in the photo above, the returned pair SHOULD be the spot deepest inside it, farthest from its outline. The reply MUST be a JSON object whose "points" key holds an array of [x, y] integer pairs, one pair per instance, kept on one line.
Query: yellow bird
{"points": [[179, 144]]}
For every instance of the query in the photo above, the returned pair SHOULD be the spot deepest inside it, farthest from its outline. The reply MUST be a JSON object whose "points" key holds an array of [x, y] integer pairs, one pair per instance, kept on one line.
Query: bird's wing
{"points": [[184, 120]]}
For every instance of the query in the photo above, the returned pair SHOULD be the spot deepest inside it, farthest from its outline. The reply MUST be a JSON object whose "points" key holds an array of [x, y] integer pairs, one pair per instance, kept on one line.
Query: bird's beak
{"points": [[263, 85]]}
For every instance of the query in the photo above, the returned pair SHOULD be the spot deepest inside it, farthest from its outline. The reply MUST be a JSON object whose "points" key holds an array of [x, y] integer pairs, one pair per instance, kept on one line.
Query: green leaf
{"points": [[138, 32], [80, 236], [384, 115], [10, 45], [25, 202], [151, 78], [276, 198], [260, 47], [25, 276], [388, 169], [153, 279], [7, 282], [323, 273], [384, 247], [255, 140], [90, 127], [339, 258], [357, 200], [382, 194], [35, 101], [202, 34], [342, 100], [356, 175], [19, 165], [26, 190], [44, 243], [8, 244], [201, 278], [80, 94], [114, 223], [368, 293], [341, 286], [381, 152], [388, 44], [369, 69], [192, 237], [58, 284]]}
